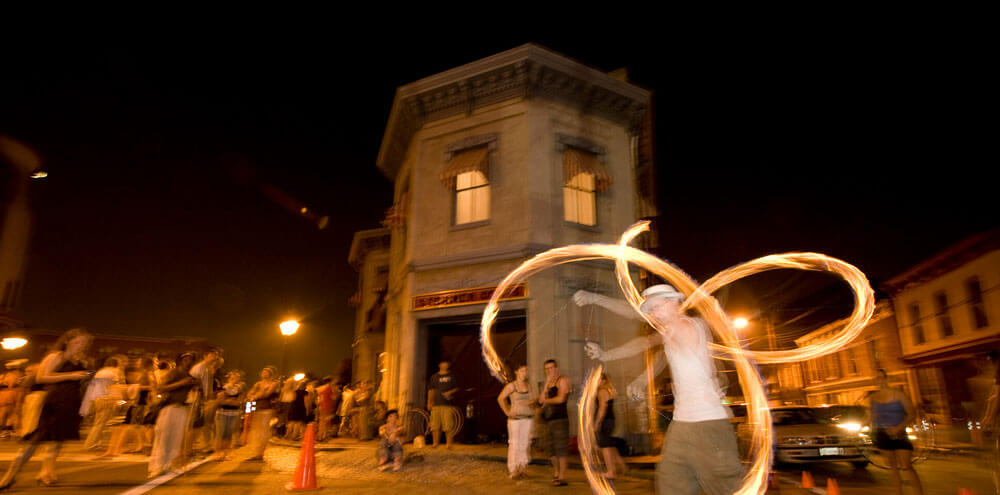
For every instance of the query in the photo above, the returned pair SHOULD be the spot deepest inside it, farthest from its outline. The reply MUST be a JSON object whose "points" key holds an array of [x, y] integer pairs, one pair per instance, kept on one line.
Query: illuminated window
{"points": [[580, 200], [944, 321], [975, 294], [918, 329], [584, 177], [472, 197]]}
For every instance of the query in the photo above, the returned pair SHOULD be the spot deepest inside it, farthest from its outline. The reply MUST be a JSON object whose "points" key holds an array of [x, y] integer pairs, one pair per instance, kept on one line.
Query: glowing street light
{"points": [[740, 322], [11, 343], [299, 376], [289, 327]]}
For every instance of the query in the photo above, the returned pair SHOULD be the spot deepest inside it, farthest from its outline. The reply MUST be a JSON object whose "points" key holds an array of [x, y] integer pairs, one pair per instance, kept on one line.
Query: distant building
{"points": [[848, 375], [948, 310], [494, 162]]}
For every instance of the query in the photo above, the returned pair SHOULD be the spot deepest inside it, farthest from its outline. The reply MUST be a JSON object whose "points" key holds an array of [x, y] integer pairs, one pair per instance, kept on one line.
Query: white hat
{"points": [[660, 291]]}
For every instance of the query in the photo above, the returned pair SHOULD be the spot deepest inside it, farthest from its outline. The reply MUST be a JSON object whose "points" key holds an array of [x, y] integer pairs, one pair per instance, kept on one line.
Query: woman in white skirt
{"points": [[518, 401]]}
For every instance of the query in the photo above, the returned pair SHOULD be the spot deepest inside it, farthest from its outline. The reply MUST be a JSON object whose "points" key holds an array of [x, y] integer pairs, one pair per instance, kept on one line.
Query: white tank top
{"points": [[697, 396]]}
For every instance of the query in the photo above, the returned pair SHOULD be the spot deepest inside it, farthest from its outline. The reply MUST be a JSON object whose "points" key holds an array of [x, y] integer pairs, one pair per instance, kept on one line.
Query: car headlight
{"points": [[794, 440], [851, 427]]}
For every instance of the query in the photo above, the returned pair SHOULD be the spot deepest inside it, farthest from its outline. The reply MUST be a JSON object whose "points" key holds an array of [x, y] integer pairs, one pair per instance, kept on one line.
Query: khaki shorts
{"points": [[699, 456], [443, 419]]}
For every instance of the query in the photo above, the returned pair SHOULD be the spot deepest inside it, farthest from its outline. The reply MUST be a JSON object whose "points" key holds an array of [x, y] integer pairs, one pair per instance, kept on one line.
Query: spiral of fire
{"points": [[698, 298]]}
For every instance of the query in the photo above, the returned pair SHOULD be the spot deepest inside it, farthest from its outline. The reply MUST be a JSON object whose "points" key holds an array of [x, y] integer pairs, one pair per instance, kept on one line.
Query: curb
{"points": [[538, 461]]}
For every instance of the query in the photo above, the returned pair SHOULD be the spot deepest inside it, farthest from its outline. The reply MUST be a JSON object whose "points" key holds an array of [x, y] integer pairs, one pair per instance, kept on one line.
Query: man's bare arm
{"points": [[630, 348], [617, 306]]}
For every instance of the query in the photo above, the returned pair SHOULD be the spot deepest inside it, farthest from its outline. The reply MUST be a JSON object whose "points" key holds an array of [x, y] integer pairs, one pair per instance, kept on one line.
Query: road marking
{"points": [[79, 458], [163, 479]]}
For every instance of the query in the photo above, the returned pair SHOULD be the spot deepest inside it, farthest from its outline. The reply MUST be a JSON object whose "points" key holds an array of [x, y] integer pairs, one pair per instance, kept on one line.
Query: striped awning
{"points": [[466, 161], [578, 161]]}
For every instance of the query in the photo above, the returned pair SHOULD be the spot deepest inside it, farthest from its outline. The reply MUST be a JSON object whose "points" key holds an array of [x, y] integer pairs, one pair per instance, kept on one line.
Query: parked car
{"points": [[850, 418], [809, 434]]}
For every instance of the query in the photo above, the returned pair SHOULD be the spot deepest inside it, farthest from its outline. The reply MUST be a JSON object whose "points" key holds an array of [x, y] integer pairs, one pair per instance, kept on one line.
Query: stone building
{"points": [[493, 162], [369, 255], [848, 375], [948, 311]]}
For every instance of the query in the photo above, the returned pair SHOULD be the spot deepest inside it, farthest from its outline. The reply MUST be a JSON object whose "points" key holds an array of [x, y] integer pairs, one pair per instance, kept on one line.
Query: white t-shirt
{"points": [[697, 396], [99, 387]]}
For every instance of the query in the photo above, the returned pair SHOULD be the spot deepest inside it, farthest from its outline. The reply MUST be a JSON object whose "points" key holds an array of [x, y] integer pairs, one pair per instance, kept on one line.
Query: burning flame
{"points": [[700, 299]]}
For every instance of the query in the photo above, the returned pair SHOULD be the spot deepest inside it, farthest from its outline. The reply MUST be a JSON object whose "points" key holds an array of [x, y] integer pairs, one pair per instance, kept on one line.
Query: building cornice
{"points": [[965, 251], [528, 71]]}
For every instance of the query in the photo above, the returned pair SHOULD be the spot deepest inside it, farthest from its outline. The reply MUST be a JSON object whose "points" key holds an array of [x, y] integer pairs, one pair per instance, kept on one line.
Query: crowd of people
{"points": [[170, 408], [175, 408]]}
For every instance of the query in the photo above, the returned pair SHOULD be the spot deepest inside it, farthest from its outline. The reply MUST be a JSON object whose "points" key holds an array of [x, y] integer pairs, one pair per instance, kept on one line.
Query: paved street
{"points": [[347, 466]]}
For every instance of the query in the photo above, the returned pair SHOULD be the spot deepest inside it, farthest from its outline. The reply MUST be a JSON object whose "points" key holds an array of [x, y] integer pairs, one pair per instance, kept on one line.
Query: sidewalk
{"points": [[487, 451]]}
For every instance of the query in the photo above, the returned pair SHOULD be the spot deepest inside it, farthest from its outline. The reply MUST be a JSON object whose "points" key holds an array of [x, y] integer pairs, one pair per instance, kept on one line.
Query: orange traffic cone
{"points": [[305, 472], [807, 480], [772, 482], [831, 486], [246, 428]]}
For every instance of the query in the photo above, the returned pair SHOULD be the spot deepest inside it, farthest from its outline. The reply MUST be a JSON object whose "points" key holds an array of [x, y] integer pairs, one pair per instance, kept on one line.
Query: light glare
{"points": [[289, 327], [11, 343]]}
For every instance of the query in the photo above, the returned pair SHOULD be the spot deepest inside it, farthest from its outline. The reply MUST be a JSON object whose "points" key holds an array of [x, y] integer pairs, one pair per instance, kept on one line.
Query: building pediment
{"points": [[528, 71]]}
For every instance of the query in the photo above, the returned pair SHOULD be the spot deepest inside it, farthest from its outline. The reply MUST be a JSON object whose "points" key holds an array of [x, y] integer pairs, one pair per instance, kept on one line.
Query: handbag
{"points": [[31, 411]]}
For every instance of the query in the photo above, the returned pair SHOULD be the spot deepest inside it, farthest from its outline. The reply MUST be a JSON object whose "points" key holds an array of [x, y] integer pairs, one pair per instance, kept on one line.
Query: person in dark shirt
{"points": [[172, 421], [442, 389]]}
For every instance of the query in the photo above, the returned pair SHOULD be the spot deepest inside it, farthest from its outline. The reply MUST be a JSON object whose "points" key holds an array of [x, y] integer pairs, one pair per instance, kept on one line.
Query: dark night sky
{"points": [[867, 148]]}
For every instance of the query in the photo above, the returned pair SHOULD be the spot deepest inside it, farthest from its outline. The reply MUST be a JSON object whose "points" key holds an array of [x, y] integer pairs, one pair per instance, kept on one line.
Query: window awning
{"points": [[577, 161], [476, 159]]}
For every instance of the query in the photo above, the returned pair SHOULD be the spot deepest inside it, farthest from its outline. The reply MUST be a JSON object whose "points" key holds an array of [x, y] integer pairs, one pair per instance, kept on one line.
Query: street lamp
{"points": [[288, 327], [740, 323], [11, 343]]}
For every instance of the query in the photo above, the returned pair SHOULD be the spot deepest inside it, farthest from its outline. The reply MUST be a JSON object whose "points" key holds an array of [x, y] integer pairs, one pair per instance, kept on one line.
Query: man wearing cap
{"points": [[700, 451], [171, 423]]}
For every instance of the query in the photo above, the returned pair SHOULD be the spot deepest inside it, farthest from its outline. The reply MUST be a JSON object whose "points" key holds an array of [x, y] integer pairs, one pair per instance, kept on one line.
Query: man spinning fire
{"points": [[700, 451]]}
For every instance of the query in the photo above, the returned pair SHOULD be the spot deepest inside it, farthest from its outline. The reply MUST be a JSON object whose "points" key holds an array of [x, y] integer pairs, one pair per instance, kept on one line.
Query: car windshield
{"points": [[797, 416]]}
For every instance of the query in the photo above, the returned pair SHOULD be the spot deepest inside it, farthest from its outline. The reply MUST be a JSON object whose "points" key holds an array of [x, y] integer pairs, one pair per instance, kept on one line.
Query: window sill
{"points": [[580, 226], [470, 225]]}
